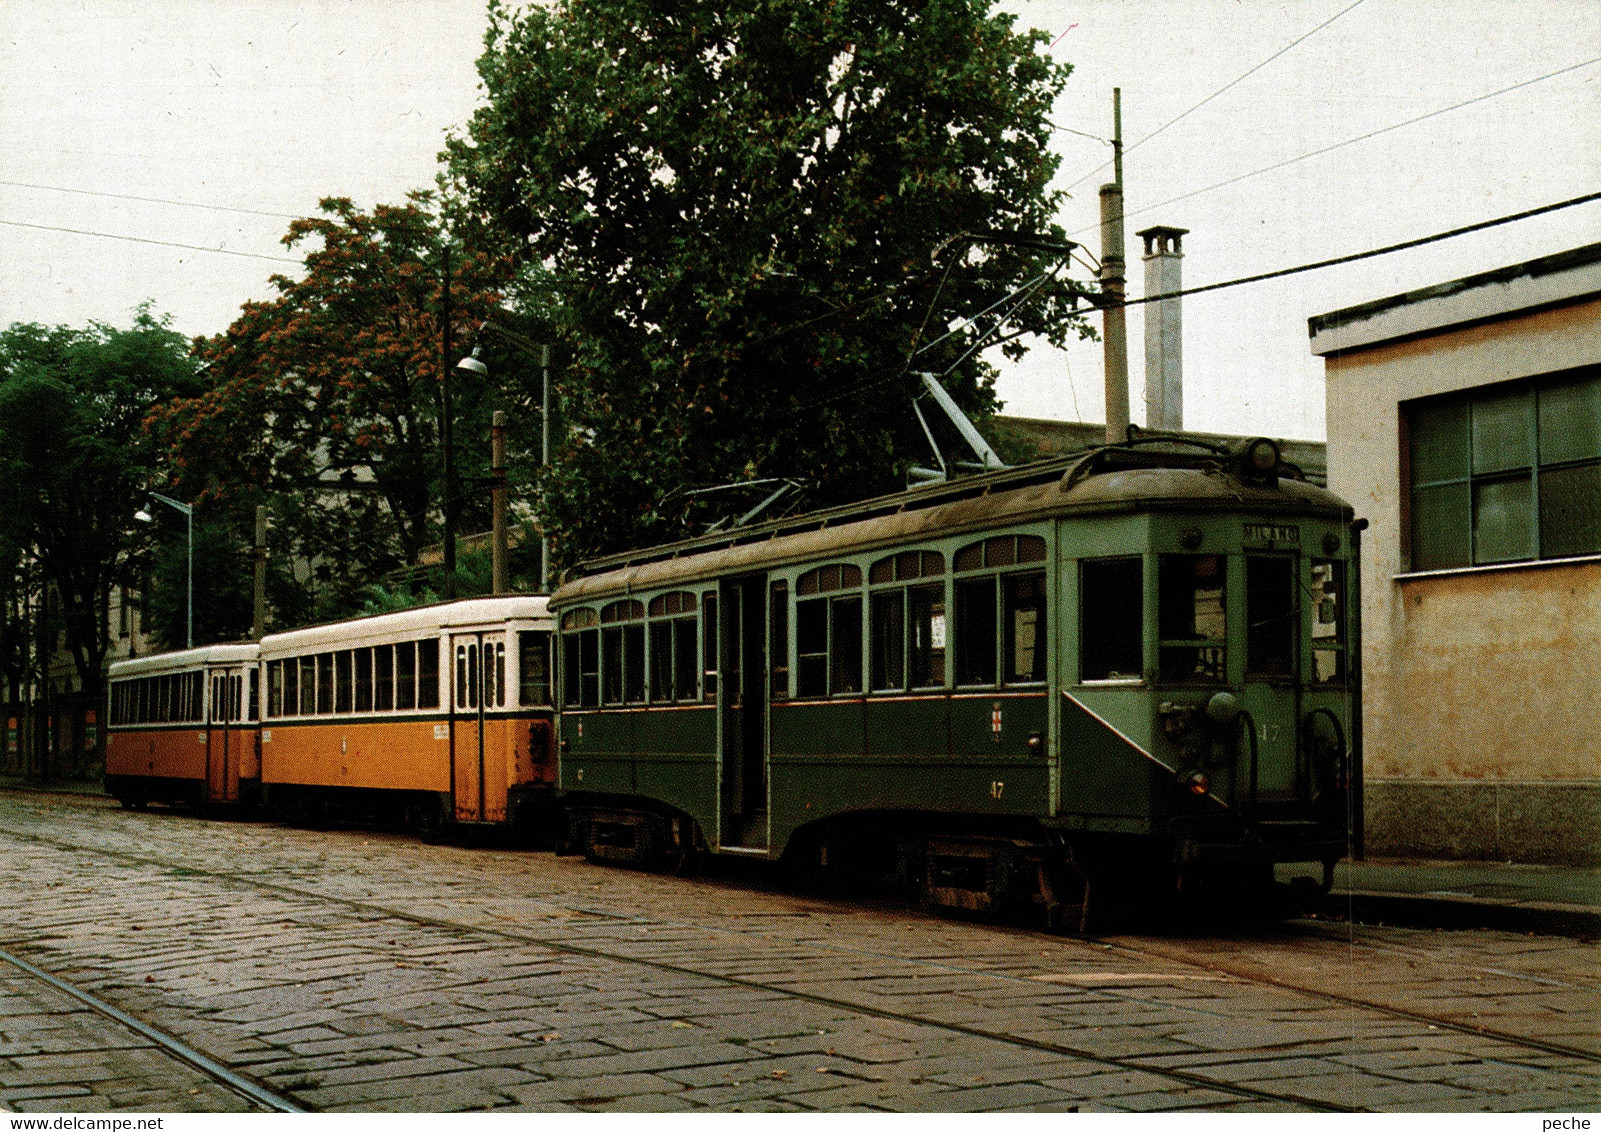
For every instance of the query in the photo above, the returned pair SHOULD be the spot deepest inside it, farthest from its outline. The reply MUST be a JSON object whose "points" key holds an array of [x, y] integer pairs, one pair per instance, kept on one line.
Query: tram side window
{"points": [[255, 694], [363, 680], [708, 637], [1023, 616], [495, 674], [405, 676], [383, 678], [1270, 613], [1111, 598], [325, 682], [886, 616], [828, 632], [975, 630], [343, 685], [533, 668], [1191, 623], [778, 641], [428, 674], [275, 688], [467, 675], [580, 658], [622, 652], [1328, 622], [674, 649], [308, 685]]}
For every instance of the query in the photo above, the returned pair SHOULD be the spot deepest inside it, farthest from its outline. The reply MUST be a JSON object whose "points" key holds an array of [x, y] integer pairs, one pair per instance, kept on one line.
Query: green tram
{"points": [[1119, 672]]}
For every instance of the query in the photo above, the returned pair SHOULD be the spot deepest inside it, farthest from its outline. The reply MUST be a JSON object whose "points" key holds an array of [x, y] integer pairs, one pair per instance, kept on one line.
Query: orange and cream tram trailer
{"points": [[184, 728], [436, 714]]}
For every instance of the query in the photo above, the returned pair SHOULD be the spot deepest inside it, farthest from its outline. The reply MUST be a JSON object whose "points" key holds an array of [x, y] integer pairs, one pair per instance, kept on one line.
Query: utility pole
{"points": [[544, 460], [258, 622], [447, 437], [499, 583], [1114, 336]]}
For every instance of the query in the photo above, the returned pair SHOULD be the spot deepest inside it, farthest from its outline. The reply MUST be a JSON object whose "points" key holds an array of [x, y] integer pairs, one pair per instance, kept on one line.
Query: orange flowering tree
{"points": [[325, 401]]}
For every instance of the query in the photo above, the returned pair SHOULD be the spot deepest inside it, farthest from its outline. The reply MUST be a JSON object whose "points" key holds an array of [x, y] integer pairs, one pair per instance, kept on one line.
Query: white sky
{"points": [[271, 104]]}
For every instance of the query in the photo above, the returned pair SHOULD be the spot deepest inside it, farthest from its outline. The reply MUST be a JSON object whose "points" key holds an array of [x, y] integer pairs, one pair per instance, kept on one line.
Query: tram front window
{"points": [[1190, 618], [1110, 636], [1270, 612]]}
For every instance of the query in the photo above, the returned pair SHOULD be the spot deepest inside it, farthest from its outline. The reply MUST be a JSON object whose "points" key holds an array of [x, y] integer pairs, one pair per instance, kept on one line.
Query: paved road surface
{"points": [[368, 972]]}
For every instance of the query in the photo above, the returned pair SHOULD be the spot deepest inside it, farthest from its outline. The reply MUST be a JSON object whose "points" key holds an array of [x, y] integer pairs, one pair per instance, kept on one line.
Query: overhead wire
{"points": [[150, 200], [147, 240], [1350, 141], [1355, 256], [1220, 90]]}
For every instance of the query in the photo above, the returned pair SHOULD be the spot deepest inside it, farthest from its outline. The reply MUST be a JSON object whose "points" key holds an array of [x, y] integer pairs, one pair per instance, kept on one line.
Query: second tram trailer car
{"points": [[183, 728], [1129, 670], [434, 715]]}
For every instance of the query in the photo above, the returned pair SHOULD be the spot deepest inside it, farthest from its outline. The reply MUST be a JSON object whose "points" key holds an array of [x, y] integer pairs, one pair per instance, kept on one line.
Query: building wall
{"points": [[1481, 685]]}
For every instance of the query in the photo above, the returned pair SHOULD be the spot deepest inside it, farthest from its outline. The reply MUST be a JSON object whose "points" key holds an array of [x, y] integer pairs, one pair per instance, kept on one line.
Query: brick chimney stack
{"points": [[1164, 329]]}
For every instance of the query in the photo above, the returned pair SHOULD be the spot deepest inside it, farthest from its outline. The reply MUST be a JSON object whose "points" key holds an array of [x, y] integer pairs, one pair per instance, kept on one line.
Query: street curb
{"points": [[1411, 909]]}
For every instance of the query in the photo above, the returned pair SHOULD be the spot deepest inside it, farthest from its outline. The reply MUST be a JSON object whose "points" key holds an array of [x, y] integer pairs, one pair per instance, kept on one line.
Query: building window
{"points": [[1507, 473]]}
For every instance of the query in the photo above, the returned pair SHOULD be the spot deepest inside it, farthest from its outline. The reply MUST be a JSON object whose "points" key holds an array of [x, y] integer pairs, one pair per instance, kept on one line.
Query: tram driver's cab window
{"points": [[1191, 625], [1112, 601], [1270, 615], [1001, 613]]}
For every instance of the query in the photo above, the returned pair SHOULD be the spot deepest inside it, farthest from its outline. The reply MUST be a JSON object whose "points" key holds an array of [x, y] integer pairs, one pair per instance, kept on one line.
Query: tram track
{"points": [[263, 1098], [1129, 1064], [1250, 973], [1149, 949]]}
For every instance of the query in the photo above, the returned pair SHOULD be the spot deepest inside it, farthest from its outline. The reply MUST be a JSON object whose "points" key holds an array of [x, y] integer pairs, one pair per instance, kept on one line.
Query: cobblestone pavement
{"points": [[57, 1055], [362, 971]]}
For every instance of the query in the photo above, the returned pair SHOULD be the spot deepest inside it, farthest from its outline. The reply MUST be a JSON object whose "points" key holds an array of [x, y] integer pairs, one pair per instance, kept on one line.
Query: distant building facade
{"points": [[1464, 422]]}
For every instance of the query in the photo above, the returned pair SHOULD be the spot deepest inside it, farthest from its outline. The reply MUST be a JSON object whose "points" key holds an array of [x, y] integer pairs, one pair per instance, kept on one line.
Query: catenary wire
{"points": [[1348, 141], [1354, 256], [1220, 90], [147, 240], [150, 200]]}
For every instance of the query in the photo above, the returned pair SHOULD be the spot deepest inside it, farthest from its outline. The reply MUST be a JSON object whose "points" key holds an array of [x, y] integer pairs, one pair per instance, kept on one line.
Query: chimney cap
{"points": [[1163, 235]]}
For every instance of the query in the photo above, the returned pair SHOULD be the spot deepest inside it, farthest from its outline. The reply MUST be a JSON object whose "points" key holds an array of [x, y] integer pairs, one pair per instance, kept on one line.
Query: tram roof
{"points": [[184, 659], [465, 613], [1105, 481]]}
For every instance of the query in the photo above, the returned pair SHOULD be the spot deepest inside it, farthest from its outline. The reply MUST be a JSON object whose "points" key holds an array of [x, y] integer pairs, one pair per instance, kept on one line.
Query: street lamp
{"points": [[144, 516], [476, 365]]}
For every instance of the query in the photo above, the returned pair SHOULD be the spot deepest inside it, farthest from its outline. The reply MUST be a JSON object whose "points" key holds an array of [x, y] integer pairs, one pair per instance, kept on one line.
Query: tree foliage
{"points": [[324, 402], [728, 211], [77, 461]]}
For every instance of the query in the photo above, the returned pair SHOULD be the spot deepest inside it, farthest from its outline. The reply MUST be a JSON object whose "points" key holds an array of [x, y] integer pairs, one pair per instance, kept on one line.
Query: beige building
{"points": [[1465, 424]]}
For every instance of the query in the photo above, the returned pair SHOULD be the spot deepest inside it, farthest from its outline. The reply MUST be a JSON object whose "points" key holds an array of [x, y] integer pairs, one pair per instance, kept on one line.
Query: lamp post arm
{"points": [[186, 508]]}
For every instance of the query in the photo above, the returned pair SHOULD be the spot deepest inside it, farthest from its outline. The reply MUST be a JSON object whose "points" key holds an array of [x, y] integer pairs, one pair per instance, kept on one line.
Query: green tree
{"points": [[324, 403], [78, 461], [727, 210]]}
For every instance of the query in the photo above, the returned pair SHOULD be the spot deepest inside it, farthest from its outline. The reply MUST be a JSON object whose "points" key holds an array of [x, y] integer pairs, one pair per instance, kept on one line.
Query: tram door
{"points": [[479, 741], [1273, 676], [743, 708], [224, 737]]}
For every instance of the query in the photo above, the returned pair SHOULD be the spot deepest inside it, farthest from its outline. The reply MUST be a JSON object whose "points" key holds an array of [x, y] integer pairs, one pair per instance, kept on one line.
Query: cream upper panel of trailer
{"points": [[185, 659], [521, 611]]}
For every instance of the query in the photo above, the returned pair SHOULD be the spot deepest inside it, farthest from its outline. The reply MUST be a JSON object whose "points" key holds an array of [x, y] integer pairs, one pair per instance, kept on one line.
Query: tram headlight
{"points": [[1223, 708], [1260, 459], [1198, 781]]}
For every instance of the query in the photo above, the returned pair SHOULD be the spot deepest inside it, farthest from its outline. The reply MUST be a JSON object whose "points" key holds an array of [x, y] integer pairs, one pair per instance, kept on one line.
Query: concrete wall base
{"points": [[1557, 823]]}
